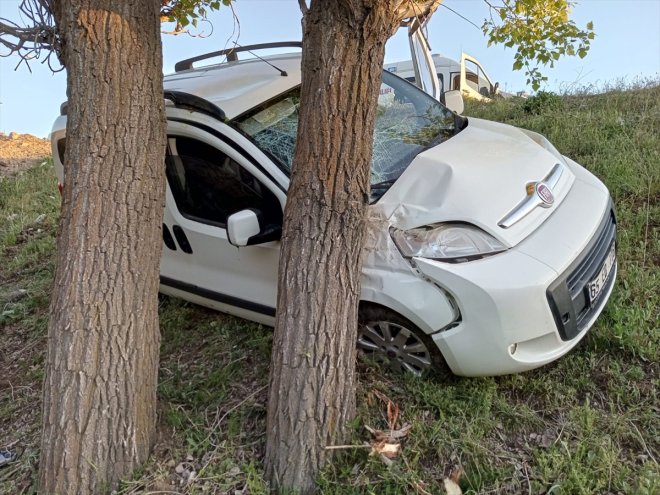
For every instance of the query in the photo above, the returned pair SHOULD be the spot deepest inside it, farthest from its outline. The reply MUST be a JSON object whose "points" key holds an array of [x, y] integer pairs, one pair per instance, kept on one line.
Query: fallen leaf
{"points": [[456, 473], [392, 414], [452, 488], [389, 450]]}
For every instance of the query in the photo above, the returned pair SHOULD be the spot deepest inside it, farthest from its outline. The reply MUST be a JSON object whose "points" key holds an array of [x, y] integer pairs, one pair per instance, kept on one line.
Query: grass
{"points": [[29, 211], [587, 424]]}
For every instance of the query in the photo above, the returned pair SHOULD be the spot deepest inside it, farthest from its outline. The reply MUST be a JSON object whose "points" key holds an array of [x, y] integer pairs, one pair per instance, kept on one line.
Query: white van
{"points": [[486, 248], [466, 76]]}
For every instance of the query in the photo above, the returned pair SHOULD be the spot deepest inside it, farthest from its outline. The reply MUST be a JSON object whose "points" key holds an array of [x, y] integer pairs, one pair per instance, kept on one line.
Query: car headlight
{"points": [[450, 242], [543, 142]]}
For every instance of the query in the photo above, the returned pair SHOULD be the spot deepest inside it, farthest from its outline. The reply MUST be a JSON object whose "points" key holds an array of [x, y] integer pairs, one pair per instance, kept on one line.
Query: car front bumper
{"points": [[529, 306]]}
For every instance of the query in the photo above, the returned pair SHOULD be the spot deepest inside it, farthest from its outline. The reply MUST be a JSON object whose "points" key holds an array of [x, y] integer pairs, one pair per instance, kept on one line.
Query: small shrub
{"points": [[541, 102]]}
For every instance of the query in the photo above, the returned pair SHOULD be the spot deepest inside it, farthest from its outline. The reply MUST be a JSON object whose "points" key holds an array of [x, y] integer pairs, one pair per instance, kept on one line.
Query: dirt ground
{"points": [[20, 151]]}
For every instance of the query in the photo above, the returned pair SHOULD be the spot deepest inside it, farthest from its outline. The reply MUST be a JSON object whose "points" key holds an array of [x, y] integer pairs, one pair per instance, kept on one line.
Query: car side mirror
{"points": [[453, 100], [241, 226], [246, 228]]}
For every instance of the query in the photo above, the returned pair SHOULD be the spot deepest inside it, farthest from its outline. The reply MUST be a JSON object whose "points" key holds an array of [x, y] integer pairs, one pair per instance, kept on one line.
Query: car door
{"points": [[474, 81], [209, 177], [426, 74]]}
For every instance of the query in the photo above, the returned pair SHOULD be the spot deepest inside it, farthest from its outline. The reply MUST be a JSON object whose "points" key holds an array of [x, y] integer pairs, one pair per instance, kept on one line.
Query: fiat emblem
{"points": [[545, 194]]}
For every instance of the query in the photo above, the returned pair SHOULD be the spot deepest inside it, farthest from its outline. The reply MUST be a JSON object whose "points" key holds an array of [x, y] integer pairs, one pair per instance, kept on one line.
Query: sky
{"points": [[626, 48]]}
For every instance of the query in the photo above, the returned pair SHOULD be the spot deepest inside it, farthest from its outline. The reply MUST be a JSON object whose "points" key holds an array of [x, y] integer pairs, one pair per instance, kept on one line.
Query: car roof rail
{"points": [[196, 103], [232, 53]]}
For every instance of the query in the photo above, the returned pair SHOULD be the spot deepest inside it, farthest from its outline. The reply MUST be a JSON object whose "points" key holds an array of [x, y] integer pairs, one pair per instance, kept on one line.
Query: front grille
{"points": [[568, 297]]}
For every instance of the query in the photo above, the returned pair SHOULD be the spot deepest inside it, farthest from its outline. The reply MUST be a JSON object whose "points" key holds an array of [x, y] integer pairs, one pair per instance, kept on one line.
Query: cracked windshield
{"points": [[408, 122]]}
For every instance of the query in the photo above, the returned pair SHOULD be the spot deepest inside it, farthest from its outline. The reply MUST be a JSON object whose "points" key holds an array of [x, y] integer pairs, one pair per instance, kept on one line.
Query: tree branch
{"points": [[416, 8], [303, 6], [38, 38]]}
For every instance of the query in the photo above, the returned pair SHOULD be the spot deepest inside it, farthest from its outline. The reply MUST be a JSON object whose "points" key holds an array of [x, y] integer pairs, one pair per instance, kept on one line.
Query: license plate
{"points": [[600, 281]]}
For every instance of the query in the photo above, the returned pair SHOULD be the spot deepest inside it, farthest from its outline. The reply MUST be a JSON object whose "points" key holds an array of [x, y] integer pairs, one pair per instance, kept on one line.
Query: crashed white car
{"points": [[486, 248]]}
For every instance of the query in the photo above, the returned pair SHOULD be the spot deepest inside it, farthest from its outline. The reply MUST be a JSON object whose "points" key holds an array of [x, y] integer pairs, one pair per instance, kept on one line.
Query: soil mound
{"points": [[21, 151]]}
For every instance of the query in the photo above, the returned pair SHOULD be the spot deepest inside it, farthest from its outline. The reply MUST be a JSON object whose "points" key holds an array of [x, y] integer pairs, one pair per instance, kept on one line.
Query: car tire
{"points": [[386, 337]]}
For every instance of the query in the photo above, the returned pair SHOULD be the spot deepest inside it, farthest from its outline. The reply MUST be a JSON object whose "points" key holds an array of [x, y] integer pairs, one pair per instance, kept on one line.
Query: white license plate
{"points": [[600, 281]]}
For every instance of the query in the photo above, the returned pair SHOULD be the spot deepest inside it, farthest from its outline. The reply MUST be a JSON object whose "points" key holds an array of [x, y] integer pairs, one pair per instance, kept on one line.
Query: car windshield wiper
{"points": [[460, 123], [386, 184], [380, 188]]}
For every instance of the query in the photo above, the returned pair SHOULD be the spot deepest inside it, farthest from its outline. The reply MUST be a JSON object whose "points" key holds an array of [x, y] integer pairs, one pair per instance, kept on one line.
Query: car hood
{"points": [[478, 176]]}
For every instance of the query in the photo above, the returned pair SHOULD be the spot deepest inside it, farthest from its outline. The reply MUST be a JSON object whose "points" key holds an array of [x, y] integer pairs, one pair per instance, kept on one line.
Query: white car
{"points": [[486, 248]]}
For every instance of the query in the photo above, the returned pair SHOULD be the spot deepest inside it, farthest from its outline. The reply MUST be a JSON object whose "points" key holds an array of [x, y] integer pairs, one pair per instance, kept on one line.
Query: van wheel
{"points": [[387, 337]]}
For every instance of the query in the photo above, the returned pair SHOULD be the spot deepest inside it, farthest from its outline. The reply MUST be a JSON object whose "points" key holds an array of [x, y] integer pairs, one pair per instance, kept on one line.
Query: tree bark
{"points": [[312, 379], [103, 336]]}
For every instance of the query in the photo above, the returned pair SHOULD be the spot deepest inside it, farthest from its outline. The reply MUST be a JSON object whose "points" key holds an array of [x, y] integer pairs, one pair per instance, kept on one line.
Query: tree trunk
{"points": [[312, 378], [103, 337]]}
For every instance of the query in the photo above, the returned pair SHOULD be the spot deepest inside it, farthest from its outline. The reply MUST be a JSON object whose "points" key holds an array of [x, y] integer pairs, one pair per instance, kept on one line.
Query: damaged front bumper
{"points": [[509, 319]]}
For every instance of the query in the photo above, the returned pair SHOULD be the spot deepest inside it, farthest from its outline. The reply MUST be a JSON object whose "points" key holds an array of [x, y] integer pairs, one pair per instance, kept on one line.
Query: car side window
{"points": [[209, 186]]}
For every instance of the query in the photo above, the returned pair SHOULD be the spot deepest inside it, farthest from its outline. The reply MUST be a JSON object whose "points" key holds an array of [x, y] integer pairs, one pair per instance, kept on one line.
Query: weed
{"points": [[542, 102]]}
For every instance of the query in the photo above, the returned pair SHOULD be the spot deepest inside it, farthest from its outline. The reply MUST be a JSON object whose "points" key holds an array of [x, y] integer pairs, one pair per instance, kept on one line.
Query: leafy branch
{"points": [[541, 31], [185, 13]]}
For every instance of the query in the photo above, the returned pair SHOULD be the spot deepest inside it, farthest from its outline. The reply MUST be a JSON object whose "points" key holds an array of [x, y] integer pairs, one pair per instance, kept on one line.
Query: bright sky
{"points": [[627, 47]]}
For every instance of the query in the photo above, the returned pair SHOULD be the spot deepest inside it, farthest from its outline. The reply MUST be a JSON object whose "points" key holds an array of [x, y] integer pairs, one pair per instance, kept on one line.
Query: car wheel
{"points": [[387, 337]]}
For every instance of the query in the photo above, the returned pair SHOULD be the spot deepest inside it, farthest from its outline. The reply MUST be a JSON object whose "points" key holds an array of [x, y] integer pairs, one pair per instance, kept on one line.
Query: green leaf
{"points": [[540, 31]]}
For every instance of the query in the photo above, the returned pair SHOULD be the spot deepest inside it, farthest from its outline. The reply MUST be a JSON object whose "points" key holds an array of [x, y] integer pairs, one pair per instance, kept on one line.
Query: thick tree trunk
{"points": [[103, 337], [312, 380]]}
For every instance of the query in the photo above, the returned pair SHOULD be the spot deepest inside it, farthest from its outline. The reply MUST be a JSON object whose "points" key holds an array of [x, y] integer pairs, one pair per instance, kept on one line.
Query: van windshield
{"points": [[408, 122]]}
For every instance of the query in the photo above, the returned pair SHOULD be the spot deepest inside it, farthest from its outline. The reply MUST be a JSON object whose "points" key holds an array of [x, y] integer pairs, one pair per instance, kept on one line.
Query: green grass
{"points": [[587, 424], [29, 211]]}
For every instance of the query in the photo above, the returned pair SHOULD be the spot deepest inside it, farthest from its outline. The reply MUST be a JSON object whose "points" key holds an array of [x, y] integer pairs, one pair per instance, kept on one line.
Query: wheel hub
{"points": [[394, 344]]}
